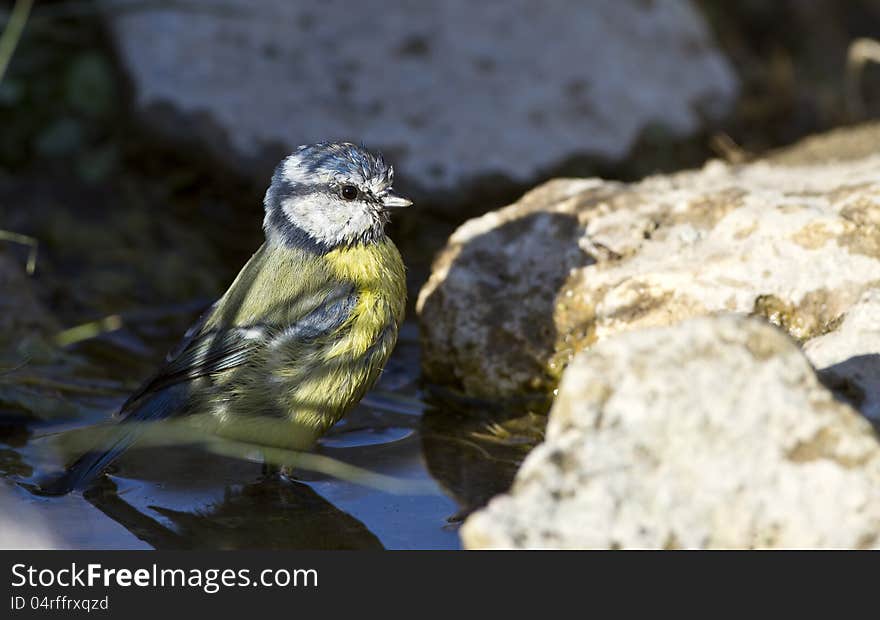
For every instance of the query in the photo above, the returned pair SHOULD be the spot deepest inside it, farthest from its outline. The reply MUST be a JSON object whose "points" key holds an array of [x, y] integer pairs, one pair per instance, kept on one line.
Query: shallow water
{"points": [[183, 497]]}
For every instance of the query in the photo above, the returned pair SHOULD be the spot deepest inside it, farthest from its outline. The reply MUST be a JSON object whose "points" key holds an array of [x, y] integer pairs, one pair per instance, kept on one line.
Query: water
{"points": [[185, 497]]}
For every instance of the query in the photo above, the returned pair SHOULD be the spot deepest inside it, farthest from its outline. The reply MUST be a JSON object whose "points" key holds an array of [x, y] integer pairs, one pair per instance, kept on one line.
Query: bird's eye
{"points": [[349, 192]]}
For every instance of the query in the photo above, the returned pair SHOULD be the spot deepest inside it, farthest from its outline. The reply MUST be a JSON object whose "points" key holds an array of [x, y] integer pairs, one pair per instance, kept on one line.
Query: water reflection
{"points": [[475, 454], [271, 513]]}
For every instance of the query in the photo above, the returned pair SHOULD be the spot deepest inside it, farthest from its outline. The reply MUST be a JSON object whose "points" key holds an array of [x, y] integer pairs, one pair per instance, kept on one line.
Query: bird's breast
{"points": [[307, 377], [377, 273], [320, 388]]}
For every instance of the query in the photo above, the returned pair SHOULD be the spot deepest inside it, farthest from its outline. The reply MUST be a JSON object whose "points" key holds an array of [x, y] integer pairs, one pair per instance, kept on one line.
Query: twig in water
{"points": [[88, 330], [31, 242]]}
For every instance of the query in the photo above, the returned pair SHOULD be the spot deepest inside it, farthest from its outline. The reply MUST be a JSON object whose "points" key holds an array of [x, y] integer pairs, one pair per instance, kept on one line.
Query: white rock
{"points": [[453, 89], [518, 291], [714, 433]]}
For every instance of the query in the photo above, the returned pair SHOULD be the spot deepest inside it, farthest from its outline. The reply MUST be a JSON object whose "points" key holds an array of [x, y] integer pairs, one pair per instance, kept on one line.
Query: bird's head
{"points": [[330, 194]]}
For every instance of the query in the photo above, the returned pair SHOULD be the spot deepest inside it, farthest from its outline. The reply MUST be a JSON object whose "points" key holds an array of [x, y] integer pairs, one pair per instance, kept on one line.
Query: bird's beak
{"points": [[390, 200]]}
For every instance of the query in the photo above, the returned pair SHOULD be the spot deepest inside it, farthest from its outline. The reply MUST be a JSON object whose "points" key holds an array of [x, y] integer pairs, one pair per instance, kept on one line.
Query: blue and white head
{"points": [[330, 194]]}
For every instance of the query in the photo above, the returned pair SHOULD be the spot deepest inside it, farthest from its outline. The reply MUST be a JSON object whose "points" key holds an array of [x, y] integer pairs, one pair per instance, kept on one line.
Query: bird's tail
{"points": [[78, 475], [81, 472]]}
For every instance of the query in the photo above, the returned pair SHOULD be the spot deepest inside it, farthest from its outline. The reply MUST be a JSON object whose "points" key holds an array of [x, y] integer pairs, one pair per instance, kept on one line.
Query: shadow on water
{"points": [[271, 513], [475, 457], [856, 382]]}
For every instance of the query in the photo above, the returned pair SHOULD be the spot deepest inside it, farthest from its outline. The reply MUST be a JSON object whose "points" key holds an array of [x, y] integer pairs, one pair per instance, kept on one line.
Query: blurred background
{"points": [[137, 138], [163, 119]]}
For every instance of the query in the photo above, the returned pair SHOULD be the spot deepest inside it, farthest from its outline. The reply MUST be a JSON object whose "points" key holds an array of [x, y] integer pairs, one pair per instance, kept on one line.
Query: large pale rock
{"points": [[714, 433], [517, 292], [453, 90]]}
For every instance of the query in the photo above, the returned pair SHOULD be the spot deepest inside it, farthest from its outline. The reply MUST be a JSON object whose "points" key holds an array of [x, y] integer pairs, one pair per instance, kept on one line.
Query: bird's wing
{"points": [[207, 351], [203, 355]]}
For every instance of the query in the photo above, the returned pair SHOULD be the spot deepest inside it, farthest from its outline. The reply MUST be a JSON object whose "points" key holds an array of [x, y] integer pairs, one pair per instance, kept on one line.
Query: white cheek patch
{"points": [[329, 220]]}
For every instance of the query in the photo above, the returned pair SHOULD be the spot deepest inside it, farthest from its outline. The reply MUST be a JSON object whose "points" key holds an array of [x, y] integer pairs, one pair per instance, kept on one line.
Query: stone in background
{"points": [[453, 91]]}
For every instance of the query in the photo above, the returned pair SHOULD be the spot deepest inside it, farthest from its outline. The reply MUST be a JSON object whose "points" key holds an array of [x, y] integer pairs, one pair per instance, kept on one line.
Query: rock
{"points": [[453, 91], [486, 312], [714, 433], [517, 292]]}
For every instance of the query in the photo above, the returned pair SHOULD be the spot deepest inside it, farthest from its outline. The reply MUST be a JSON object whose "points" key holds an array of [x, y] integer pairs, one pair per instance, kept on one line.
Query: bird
{"points": [[302, 332]]}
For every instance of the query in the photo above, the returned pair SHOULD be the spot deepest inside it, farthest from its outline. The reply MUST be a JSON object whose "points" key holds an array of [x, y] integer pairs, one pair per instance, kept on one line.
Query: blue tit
{"points": [[304, 330]]}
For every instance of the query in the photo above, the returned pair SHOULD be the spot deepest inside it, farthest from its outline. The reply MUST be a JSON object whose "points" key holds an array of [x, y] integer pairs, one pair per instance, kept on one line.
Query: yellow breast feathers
{"points": [[377, 272]]}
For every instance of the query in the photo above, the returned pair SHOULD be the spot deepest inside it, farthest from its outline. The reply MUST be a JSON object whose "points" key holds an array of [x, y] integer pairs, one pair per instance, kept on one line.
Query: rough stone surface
{"points": [[517, 292], [452, 90], [714, 433]]}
